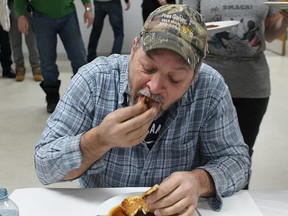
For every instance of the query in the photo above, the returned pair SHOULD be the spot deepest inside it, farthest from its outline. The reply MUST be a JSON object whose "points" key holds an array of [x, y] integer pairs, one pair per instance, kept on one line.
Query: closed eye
{"points": [[148, 70], [175, 80]]}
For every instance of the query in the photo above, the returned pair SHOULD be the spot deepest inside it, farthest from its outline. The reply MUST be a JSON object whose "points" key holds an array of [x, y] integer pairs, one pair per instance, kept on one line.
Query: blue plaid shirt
{"points": [[201, 131]]}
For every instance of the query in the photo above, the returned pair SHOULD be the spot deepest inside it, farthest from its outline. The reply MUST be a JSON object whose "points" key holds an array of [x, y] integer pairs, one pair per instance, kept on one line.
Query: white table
{"points": [[75, 202], [271, 202]]}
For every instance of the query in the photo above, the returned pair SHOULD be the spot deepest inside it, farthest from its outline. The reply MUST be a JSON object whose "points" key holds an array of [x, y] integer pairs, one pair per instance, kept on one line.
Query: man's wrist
{"points": [[88, 8], [206, 183]]}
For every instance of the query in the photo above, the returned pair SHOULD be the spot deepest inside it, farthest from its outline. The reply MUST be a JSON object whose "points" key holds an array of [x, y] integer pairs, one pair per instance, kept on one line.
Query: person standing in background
{"points": [[16, 41], [49, 19], [150, 5], [238, 54], [5, 54], [113, 9]]}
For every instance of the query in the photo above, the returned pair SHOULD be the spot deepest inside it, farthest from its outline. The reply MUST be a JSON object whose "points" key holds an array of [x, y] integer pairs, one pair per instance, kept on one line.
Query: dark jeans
{"points": [[5, 49], [145, 14], [250, 113], [115, 13], [46, 30]]}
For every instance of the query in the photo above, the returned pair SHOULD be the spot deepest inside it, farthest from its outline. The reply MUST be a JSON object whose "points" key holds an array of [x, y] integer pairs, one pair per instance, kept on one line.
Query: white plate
{"points": [[107, 205], [221, 25], [279, 5]]}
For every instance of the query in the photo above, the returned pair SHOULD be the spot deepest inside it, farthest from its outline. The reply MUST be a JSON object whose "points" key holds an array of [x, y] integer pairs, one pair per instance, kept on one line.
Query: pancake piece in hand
{"points": [[136, 204], [145, 100]]}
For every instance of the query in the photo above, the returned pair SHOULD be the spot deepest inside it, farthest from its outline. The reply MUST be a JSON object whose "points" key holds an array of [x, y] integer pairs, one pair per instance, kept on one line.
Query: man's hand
{"points": [[88, 18], [122, 128], [179, 193], [23, 24], [126, 127]]}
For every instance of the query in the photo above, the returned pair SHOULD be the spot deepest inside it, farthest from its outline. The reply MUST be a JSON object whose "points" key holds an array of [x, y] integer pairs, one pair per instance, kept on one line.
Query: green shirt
{"points": [[52, 8]]}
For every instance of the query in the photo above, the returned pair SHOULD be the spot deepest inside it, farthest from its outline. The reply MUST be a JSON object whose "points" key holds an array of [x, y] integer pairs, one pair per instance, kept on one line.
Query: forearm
{"points": [[55, 158], [228, 178], [91, 151], [230, 174]]}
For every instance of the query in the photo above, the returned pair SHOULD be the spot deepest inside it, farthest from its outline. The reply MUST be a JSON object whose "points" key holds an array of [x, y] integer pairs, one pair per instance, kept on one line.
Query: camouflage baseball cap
{"points": [[178, 28]]}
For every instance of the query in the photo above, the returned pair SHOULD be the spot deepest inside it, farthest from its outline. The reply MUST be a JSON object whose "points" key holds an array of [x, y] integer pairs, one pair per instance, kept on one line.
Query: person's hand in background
{"points": [[128, 5], [88, 18], [23, 24], [162, 2]]}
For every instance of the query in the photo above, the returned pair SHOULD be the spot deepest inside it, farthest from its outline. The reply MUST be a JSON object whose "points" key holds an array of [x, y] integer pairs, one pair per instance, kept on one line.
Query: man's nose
{"points": [[156, 83]]}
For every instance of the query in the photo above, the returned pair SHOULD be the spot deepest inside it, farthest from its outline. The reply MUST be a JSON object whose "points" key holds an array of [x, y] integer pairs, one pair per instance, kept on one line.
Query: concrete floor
{"points": [[23, 116]]}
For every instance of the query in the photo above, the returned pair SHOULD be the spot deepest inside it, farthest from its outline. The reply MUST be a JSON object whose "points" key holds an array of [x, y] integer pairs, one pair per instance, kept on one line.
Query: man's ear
{"points": [[133, 47], [197, 67]]}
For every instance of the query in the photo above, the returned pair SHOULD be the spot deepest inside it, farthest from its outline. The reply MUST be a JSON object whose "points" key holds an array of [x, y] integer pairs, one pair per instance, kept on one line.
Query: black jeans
{"points": [[114, 11], [250, 113], [5, 49]]}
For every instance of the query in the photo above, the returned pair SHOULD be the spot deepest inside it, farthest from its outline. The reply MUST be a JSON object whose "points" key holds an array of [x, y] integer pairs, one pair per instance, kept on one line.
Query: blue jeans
{"points": [[115, 13], [46, 30]]}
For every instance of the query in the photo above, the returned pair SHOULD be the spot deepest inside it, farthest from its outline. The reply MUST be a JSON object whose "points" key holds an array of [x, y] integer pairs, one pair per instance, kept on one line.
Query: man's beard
{"points": [[146, 92]]}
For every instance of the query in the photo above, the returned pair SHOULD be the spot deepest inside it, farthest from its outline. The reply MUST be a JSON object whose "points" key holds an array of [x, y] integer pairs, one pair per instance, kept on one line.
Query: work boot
{"points": [[52, 95], [37, 75], [9, 73], [20, 73]]}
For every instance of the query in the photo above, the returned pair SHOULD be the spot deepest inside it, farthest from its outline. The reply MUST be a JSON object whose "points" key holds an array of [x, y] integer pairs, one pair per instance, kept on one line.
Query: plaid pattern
{"points": [[201, 131]]}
